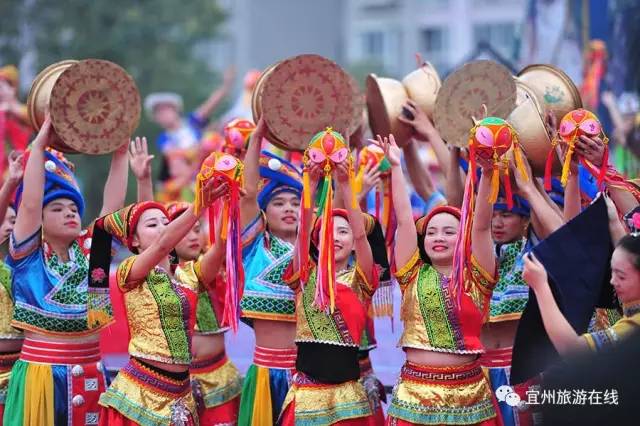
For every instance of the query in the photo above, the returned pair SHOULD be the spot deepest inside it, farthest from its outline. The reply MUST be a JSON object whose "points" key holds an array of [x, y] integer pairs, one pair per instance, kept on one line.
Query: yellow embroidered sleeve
{"points": [[408, 272], [189, 274], [122, 275], [480, 285], [360, 281], [603, 339]]}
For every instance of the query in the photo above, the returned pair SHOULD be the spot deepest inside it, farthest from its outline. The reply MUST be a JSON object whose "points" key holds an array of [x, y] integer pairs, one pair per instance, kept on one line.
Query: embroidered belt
{"points": [[423, 373], [60, 352], [7, 360], [275, 358], [155, 381], [205, 363], [496, 358]]}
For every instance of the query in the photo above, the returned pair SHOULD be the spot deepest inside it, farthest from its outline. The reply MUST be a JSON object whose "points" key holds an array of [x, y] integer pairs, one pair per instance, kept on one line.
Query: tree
{"points": [[153, 40]]}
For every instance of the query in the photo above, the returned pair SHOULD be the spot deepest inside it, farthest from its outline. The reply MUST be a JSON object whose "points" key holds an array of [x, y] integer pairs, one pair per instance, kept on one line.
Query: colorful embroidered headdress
{"points": [[176, 208], [574, 124], [225, 168], [373, 154], [491, 138], [236, 136], [327, 149], [277, 175], [59, 180], [120, 225]]}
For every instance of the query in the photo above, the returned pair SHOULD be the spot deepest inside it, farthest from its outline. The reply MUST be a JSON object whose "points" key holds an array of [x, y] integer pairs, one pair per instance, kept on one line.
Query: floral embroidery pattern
{"points": [[98, 275]]}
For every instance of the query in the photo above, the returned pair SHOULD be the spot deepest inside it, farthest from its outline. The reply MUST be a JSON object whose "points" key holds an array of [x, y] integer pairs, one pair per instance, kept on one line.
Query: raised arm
{"points": [[370, 179], [303, 241], [406, 241], [616, 228], [115, 188], [592, 149], [418, 173], [455, 179], [140, 163], [425, 131], [29, 215], [212, 260], [481, 241], [562, 335], [572, 202], [364, 255], [548, 219], [205, 110], [249, 202], [9, 186], [171, 236]]}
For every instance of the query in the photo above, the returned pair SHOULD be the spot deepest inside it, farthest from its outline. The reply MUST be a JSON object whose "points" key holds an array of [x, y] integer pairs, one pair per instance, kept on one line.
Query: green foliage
{"points": [[153, 40]]}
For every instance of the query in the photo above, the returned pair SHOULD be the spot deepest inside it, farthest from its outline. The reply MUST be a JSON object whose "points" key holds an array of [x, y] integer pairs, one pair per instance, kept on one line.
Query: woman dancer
{"points": [[442, 381], [154, 387], [215, 380], [625, 279], [10, 338], [58, 378], [269, 214], [326, 388]]}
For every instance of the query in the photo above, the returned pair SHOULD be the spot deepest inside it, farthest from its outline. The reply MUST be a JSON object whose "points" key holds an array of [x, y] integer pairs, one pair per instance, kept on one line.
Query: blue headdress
{"points": [[59, 181], [520, 205], [277, 175]]}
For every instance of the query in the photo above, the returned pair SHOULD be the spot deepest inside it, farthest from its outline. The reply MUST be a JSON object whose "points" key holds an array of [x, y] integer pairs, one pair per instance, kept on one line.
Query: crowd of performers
{"points": [[311, 279]]}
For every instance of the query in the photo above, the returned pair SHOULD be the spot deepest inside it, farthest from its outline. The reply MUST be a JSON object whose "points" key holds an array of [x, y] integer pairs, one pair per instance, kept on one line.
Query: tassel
{"points": [[462, 248], [198, 202], [354, 198], [507, 188], [234, 269], [212, 225], [472, 160], [359, 179], [495, 183], [547, 170], [306, 190], [605, 164], [325, 280], [517, 153], [383, 300], [566, 166]]}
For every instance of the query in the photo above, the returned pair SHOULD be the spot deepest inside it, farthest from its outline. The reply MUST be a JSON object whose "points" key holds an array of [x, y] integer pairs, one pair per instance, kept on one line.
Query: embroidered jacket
{"points": [[50, 296], [511, 293], [345, 327], [265, 257], [6, 305], [431, 320], [210, 299], [630, 323], [161, 313]]}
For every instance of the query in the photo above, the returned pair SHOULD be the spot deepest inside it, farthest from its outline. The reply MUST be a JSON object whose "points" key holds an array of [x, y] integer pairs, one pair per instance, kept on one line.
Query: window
{"points": [[434, 45], [501, 37], [381, 48], [373, 45]]}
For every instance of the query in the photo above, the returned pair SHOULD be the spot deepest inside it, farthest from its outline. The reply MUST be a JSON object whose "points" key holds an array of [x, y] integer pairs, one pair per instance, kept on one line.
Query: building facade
{"points": [[444, 32]]}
